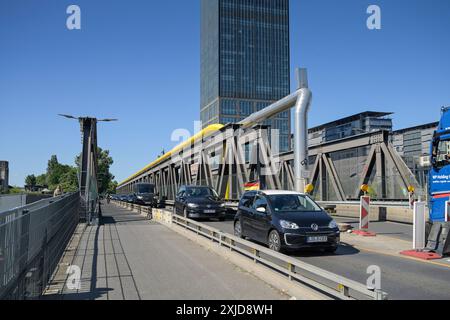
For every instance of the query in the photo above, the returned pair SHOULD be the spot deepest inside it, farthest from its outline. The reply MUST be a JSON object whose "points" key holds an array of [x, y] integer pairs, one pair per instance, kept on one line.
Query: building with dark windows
{"points": [[245, 61], [414, 145], [4, 176], [364, 122]]}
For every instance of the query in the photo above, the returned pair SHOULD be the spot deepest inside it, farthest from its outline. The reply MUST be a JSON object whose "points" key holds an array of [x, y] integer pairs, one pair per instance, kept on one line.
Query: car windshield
{"points": [[293, 202], [145, 188], [201, 192]]}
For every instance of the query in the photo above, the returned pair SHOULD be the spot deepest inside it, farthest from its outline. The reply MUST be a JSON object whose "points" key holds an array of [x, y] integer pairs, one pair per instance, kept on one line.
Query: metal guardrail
{"points": [[134, 207], [32, 240], [373, 203], [318, 279]]}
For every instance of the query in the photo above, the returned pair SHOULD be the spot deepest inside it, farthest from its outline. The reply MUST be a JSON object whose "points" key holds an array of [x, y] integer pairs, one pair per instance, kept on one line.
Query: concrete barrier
{"points": [[162, 216]]}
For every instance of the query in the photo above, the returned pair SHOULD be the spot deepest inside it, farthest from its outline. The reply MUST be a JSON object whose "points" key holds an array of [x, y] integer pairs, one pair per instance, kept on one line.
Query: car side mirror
{"points": [[261, 210]]}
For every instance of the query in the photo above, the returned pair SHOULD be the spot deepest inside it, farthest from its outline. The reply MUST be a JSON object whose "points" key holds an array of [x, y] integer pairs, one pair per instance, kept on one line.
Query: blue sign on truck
{"points": [[439, 178]]}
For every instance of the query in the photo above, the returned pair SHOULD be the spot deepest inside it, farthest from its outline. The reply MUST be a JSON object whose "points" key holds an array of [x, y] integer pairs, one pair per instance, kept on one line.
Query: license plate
{"points": [[209, 211], [317, 239]]}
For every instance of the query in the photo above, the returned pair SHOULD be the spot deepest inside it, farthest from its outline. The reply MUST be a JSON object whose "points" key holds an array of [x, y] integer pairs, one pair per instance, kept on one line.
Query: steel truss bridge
{"points": [[228, 157]]}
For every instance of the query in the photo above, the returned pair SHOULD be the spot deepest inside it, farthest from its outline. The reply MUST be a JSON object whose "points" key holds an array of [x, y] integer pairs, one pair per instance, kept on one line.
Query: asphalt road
{"points": [[402, 278], [401, 231]]}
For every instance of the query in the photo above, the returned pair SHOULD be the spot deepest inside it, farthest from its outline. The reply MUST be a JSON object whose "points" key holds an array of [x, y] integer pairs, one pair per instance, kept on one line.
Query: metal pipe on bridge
{"points": [[301, 99]]}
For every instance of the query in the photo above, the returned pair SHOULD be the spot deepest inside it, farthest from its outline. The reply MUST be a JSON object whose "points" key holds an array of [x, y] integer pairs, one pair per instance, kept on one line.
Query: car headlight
{"points": [[222, 205], [333, 225], [192, 205], [288, 225], [140, 197]]}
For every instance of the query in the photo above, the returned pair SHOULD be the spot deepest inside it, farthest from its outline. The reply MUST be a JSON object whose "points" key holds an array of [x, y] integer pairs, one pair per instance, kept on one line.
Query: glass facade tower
{"points": [[245, 61]]}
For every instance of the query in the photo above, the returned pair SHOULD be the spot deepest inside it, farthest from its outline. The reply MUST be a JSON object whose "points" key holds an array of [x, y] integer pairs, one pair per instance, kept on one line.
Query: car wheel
{"points": [[238, 229], [274, 241], [222, 219]]}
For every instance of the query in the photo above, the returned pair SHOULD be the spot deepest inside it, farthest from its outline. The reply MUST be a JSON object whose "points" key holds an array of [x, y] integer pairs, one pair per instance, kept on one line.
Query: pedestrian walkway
{"points": [[129, 257]]}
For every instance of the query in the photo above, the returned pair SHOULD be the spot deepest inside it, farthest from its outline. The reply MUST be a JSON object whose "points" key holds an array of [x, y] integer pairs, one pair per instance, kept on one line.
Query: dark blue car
{"points": [[285, 220]]}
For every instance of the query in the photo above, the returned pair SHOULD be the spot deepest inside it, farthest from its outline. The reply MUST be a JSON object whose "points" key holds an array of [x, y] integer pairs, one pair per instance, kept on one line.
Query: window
{"points": [[292, 203], [145, 188], [229, 107], [247, 200], [260, 202], [201, 192], [246, 108], [181, 192], [441, 153]]}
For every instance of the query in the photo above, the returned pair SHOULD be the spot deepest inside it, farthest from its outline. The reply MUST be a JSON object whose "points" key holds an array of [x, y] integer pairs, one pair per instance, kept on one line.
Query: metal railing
{"points": [[374, 203], [318, 279], [32, 240], [141, 210]]}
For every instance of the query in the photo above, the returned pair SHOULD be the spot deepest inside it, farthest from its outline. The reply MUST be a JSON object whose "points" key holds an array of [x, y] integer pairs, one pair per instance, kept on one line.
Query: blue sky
{"points": [[138, 60]]}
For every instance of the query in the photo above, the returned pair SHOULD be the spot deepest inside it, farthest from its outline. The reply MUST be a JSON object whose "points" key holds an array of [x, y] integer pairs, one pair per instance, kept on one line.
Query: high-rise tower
{"points": [[245, 61]]}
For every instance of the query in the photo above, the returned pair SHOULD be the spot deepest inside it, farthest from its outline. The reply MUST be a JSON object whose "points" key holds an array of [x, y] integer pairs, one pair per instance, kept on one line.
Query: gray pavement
{"points": [[131, 258], [401, 231], [402, 278]]}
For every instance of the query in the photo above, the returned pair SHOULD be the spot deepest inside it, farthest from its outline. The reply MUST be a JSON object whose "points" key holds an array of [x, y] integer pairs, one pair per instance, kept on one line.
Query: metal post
{"points": [[411, 200], [301, 131], [419, 226], [447, 211], [301, 99]]}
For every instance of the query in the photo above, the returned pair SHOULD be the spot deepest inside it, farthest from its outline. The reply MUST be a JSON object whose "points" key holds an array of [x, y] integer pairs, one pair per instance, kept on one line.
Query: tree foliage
{"points": [[31, 180], [66, 176], [106, 183]]}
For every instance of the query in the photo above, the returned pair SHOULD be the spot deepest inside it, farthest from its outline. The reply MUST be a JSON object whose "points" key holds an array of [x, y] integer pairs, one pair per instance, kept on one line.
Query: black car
{"points": [[285, 220], [131, 198], [199, 202]]}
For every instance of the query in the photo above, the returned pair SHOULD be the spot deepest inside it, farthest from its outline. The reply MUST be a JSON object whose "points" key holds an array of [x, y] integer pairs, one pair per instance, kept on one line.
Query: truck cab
{"points": [[145, 194], [439, 177]]}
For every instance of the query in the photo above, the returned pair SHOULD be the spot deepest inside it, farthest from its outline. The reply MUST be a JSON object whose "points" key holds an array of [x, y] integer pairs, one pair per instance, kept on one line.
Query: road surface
{"points": [[402, 278]]}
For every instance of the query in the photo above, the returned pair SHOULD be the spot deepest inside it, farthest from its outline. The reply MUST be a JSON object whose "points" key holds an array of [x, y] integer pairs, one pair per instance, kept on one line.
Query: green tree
{"points": [[56, 172], [67, 176], [15, 190], [41, 180], [31, 180], [112, 188], [69, 180], [104, 176]]}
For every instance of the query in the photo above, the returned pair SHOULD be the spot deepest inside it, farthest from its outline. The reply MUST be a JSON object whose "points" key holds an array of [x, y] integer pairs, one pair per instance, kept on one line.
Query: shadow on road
{"points": [[343, 250], [92, 295], [118, 220]]}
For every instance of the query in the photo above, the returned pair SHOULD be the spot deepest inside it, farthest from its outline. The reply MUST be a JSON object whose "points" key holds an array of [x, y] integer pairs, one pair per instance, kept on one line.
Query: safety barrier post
{"points": [[419, 226], [447, 211], [364, 218], [419, 240], [364, 213]]}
